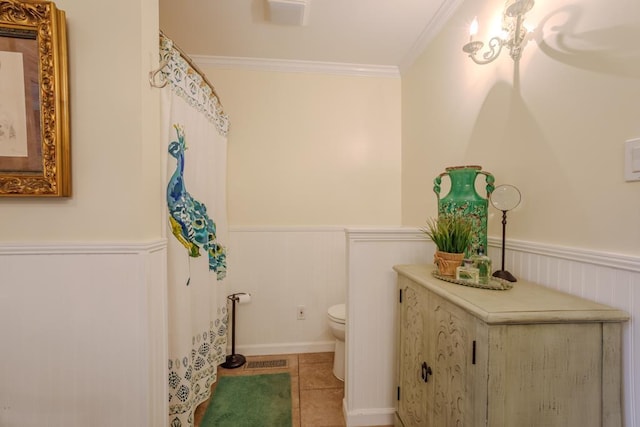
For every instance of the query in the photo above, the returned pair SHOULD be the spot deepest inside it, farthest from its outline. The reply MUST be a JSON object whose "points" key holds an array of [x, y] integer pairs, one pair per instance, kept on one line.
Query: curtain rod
{"points": [[192, 64]]}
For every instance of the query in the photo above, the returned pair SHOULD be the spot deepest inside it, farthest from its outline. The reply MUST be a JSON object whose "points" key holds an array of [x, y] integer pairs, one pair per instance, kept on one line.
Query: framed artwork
{"points": [[34, 105]]}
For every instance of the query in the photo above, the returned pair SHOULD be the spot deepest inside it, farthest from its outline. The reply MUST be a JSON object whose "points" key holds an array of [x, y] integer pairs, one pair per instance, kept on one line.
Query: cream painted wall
{"points": [[554, 127], [311, 149], [114, 132], [86, 275]]}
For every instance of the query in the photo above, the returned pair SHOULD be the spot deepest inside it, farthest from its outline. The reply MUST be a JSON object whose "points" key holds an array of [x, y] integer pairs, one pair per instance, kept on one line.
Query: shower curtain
{"points": [[194, 128]]}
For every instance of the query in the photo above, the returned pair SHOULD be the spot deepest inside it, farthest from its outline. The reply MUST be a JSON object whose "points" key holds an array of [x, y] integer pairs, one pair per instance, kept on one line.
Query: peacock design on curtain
{"points": [[196, 232], [190, 223]]}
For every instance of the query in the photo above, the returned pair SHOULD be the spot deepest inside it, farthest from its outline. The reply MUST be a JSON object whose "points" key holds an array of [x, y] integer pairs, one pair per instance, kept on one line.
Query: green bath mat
{"points": [[250, 401]]}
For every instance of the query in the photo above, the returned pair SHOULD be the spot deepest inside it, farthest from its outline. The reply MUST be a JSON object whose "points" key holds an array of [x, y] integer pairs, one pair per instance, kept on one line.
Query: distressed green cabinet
{"points": [[529, 356]]}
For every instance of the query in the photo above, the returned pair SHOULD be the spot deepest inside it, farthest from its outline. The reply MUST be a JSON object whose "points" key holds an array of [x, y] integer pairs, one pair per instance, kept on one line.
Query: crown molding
{"points": [[430, 31], [296, 66]]}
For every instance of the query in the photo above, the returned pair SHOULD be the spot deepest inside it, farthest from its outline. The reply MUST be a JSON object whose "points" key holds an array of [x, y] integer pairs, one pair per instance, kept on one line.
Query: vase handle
{"points": [[490, 180], [436, 183]]}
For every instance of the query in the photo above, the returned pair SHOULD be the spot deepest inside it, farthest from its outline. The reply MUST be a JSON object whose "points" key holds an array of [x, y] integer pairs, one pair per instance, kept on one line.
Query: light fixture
{"points": [[514, 35]]}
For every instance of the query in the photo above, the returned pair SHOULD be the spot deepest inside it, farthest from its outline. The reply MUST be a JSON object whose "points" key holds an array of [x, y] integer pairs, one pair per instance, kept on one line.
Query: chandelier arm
{"points": [[494, 49]]}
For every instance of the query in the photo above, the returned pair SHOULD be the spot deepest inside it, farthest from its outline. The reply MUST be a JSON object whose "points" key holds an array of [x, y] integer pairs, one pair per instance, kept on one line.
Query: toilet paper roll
{"points": [[244, 298]]}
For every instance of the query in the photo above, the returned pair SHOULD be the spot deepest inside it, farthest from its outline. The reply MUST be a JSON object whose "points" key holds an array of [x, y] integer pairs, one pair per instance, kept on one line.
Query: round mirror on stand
{"points": [[505, 198]]}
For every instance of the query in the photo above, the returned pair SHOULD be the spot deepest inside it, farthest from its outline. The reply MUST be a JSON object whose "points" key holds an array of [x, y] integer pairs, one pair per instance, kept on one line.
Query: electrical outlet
{"points": [[301, 312]]}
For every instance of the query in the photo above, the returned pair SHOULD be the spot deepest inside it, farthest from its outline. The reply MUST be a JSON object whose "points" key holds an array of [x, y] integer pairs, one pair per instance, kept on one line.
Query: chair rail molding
{"points": [[70, 248]]}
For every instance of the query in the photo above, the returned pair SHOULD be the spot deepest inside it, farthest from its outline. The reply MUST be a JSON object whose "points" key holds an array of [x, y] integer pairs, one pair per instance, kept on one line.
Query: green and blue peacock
{"points": [[190, 223]]}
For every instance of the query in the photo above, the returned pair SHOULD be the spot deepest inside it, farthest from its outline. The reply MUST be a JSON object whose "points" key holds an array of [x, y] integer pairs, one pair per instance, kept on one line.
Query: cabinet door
{"points": [[412, 393], [442, 362], [450, 336], [546, 375]]}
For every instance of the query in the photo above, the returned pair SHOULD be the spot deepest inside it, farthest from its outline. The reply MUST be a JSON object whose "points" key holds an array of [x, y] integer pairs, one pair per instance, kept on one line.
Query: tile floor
{"points": [[316, 395]]}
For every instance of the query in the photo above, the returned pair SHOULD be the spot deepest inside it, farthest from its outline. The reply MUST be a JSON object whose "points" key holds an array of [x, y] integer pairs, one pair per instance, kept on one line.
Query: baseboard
{"points": [[285, 348], [368, 417]]}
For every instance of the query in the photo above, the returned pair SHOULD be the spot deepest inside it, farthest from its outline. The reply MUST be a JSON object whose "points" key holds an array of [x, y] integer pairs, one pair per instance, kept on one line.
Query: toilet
{"points": [[337, 315]]}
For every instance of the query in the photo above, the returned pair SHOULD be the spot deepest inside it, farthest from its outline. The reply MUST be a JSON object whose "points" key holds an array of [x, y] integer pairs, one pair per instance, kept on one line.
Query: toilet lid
{"points": [[338, 313]]}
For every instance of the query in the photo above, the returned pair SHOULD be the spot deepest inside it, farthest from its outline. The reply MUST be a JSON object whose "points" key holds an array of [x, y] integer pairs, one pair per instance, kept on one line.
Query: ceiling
{"points": [[367, 32]]}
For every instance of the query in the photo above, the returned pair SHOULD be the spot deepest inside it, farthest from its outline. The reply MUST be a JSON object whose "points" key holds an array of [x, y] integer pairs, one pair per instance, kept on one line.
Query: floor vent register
{"points": [[260, 364]]}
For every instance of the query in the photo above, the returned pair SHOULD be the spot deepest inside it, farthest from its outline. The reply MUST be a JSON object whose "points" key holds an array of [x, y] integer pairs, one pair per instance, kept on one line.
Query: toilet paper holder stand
{"points": [[234, 360]]}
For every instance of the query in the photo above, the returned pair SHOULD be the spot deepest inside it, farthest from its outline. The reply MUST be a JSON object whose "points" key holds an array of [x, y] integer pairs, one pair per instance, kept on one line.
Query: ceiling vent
{"points": [[289, 12]]}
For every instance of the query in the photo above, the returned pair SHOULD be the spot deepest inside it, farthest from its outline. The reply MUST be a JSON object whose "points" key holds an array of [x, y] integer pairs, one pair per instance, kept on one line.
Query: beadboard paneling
{"points": [[282, 268], [60, 325], [370, 385], [84, 335]]}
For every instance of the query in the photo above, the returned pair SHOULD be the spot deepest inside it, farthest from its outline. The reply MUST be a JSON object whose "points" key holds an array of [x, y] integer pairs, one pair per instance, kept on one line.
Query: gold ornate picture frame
{"points": [[34, 105]]}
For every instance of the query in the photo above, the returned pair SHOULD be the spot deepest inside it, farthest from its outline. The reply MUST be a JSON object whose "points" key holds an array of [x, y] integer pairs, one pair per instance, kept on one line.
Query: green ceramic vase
{"points": [[462, 198]]}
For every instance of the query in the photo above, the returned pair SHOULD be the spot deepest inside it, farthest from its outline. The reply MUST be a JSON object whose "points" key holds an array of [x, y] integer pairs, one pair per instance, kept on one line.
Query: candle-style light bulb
{"points": [[473, 28]]}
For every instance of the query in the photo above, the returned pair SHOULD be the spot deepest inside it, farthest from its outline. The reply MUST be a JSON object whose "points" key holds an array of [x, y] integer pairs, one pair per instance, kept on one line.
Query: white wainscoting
{"points": [[611, 279], [83, 335], [371, 314], [282, 268]]}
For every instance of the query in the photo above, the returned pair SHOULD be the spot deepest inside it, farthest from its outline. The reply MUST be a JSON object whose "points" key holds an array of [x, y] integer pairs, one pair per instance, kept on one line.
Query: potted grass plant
{"points": [[452, 234]]}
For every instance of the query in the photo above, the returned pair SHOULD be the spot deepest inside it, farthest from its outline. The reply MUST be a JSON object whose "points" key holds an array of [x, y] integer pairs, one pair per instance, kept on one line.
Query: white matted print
{"points": [[13, 120]]}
